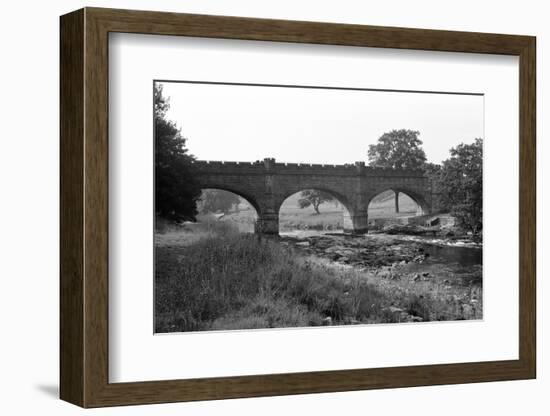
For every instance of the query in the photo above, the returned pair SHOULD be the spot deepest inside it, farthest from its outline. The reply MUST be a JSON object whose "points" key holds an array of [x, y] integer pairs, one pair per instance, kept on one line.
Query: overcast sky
{"points": [[248, 123]]}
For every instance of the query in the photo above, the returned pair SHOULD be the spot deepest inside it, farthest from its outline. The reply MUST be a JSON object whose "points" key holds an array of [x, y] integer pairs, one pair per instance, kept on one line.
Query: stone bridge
{"points": [[266, 184]]}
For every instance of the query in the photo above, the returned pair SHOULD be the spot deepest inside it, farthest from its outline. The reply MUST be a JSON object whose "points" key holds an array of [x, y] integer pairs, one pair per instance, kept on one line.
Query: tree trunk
{"points": [[316, 207], [396, 202]]}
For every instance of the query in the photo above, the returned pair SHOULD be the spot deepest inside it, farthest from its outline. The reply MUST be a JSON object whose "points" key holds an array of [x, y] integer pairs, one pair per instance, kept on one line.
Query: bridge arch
{"points": [[421, 200], [341, 198], [243, 217], [251, 199], [284, 210]]}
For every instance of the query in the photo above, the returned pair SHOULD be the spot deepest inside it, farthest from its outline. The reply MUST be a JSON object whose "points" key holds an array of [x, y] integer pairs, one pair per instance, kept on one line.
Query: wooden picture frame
{"points": [[84, 207]]}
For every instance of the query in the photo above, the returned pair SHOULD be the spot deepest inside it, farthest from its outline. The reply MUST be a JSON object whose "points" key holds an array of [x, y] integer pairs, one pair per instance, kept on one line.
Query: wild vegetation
{"points": [[222, 279], [461, 184], [176, 190], [217, 200]]}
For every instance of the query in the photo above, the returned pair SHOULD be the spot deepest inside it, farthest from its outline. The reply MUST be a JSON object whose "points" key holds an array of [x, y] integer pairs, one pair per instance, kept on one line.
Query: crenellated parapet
{"points": [[271, 166]]}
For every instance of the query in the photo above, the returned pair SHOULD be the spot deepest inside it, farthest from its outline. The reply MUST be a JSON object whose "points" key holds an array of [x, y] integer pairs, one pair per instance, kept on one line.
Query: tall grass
{"points": [[241, 281], [227, 280]]}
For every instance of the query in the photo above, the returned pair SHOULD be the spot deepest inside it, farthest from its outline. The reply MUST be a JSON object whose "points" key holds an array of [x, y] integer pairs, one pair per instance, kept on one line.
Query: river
{"points": [[455, 260]]}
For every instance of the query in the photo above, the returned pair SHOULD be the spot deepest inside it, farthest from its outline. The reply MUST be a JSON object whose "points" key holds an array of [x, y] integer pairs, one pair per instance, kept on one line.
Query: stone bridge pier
{"points": [[266, 184], [267, 223], [356, 222]]}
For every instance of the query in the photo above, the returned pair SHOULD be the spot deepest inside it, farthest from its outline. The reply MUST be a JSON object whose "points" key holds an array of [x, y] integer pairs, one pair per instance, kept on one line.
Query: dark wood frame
{"points": [[84, 208]]}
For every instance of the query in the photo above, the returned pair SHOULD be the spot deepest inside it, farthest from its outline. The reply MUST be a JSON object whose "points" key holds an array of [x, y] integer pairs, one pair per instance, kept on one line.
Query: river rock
{"points": [[404, 229], [419, 259], [327, 321], [395, 276], [384, 273]]}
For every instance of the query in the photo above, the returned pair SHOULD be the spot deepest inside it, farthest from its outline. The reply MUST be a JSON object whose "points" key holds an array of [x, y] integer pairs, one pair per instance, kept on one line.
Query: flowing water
{"points": [[461, 256], [444, 257]]}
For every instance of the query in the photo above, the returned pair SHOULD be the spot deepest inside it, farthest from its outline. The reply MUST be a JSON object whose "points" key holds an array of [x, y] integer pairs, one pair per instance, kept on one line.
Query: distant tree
{"points": [[176, 190], [314, 198], [215, 200], [461, 182], [398, 149]]}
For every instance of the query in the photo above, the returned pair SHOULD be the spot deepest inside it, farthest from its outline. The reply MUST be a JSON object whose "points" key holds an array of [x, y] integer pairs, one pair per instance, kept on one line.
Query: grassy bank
{"points": [[226, 280]]}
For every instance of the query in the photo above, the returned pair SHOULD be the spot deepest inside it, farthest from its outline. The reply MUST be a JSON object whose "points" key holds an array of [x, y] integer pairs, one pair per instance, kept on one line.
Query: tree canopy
{"points": [[314, 198], [216, 200], [176, 190], [461, 184], [398, 149]]}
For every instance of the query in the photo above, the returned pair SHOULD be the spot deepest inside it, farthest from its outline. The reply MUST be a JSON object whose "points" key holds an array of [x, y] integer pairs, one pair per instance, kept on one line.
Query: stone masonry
{"points": [[266, 184]]}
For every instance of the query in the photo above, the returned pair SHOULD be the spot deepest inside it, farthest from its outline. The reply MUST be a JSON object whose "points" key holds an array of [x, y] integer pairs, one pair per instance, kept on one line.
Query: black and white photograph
{"points": [[265, 208], [283, 206]]}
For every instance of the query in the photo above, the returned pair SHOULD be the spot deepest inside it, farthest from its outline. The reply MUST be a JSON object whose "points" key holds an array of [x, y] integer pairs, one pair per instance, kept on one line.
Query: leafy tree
{"points": [[433, 172], [461, 182], [176, 190], [215, 200], [432, 169], [398, 149], [313, 197]]}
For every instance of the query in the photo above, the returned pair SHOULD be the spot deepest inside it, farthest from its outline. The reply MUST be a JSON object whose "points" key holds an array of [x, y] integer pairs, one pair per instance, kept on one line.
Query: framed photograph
{"points": [[255, 207]]}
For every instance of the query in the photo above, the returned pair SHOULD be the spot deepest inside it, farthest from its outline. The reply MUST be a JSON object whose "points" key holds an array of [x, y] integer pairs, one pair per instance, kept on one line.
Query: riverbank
{"points": [[398, 265], [210, 278]]}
